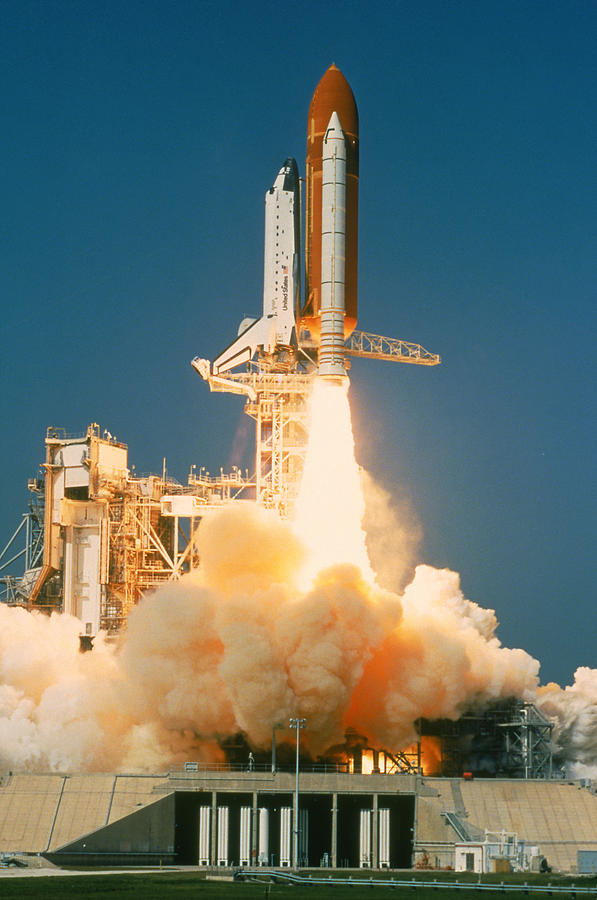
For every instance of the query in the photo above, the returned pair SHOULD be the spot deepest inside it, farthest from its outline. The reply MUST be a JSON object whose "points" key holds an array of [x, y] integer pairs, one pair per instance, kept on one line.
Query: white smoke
{"points": [[241, 648], [243, 645], [574, 711], [393, 535], [443, 658]]}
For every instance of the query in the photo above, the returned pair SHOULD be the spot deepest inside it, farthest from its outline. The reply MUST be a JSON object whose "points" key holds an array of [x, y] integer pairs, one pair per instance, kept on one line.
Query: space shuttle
{"points": [[318, 325], [316, 330], [277, 328]]}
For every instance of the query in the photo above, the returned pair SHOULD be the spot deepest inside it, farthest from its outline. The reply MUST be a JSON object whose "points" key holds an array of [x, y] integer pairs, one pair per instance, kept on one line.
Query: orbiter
{"points": [[277, 326]]}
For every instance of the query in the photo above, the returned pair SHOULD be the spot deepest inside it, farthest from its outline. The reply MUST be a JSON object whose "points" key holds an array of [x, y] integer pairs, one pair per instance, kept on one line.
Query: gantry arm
{"points": [[374, 346]]}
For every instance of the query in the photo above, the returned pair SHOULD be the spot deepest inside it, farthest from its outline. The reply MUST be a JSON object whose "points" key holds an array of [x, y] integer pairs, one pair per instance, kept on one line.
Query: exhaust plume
{"points": [[283, 619]]}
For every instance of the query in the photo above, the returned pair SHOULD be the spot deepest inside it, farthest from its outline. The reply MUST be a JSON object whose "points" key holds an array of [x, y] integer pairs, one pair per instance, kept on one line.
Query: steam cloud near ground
{"points": [[241, 647]]}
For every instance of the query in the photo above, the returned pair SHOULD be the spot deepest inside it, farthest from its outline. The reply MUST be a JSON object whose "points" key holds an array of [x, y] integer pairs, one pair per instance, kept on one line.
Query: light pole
{"points": [[298, 724]]}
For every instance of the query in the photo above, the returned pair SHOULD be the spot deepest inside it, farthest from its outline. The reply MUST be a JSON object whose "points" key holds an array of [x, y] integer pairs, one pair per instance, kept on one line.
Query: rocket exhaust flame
{"points": [[330, 506]]}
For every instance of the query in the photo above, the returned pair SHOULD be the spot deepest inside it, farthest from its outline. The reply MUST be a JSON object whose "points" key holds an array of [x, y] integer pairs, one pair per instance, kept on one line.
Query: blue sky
{"points": [[138, 142]]}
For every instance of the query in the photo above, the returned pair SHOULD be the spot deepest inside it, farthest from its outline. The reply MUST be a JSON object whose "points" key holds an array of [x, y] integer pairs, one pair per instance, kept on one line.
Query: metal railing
{"points": [[413, 883], [195, 768]]}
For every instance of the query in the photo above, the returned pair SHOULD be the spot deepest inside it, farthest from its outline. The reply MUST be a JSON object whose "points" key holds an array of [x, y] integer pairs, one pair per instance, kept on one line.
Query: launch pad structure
{"points": [[277, 402], [277, 387], [97, 536]]}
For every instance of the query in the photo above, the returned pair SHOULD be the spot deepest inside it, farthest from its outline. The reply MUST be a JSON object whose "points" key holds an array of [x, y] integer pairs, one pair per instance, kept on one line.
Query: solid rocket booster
{"points": [[333, 251], [324, 256]]}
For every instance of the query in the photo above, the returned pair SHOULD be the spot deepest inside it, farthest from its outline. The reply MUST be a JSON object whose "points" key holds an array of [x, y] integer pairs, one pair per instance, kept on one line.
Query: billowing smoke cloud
{"points": [[443, 658], [393, 535], [54, 703], [314, 619], [241, 647], [574, 711]]}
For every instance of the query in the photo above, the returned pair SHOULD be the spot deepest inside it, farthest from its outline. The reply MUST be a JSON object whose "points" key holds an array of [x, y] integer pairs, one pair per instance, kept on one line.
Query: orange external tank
{"points": [[332, 94]]}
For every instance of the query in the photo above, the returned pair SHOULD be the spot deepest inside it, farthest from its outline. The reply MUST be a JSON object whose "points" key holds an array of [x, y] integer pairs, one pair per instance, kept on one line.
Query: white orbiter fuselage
{"points": [[281, 278]]}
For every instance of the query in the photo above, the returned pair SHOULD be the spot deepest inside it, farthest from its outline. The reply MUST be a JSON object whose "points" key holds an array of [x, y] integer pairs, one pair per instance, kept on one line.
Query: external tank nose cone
{"points": [[333, 94]]}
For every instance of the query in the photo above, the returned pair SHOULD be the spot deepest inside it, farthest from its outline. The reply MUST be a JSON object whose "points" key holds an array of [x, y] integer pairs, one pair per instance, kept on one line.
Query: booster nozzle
{"points": [[340, 380], [332, 368]]}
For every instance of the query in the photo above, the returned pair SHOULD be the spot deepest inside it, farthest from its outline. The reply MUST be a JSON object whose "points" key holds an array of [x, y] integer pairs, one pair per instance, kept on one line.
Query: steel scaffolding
{"points": [[511, 738], [277, 402], [29, 537]]}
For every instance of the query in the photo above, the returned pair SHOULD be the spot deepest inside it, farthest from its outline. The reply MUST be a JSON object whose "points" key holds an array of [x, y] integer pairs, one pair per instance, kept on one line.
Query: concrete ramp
{"points": [[28, 809], [40, 813], [145, 837], [83, 807]]}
